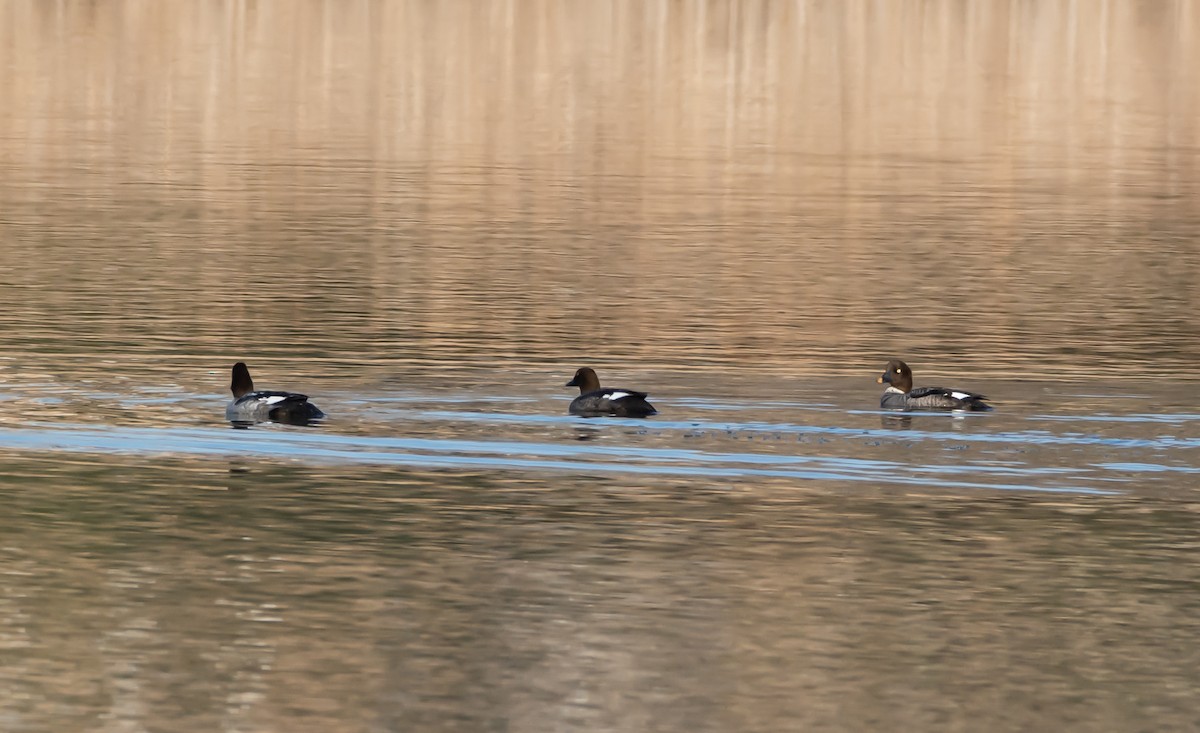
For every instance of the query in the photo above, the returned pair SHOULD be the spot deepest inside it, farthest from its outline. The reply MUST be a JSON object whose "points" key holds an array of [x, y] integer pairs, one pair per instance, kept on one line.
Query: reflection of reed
{"points": [[637, 82], [158, 597], [735, 172]]}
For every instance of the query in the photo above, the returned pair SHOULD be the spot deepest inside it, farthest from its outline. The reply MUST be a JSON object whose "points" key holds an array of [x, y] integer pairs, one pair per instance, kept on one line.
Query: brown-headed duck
{"points": [[265, 406], [900, 394], [595, 401]]}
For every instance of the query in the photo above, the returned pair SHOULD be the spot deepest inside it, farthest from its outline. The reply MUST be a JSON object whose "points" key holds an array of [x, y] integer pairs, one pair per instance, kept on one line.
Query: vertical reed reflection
{"points": [[727, 181]]}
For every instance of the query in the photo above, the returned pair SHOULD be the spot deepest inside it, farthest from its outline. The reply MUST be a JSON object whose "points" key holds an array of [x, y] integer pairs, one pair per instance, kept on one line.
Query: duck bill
{"points": [[883, 378], [572, 383]]}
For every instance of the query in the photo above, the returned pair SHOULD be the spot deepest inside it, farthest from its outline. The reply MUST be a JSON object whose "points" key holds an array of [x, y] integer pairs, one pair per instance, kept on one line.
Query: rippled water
{"points": [[428, 216]]}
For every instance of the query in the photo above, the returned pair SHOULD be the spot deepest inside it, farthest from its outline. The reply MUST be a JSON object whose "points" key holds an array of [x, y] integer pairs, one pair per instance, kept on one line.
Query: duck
{"points": [[597, 401], [900, 394], [249, 406]]}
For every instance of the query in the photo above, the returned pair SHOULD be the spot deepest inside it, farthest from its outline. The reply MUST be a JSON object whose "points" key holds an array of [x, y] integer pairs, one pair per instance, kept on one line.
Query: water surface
{"points": [[427, 217]]}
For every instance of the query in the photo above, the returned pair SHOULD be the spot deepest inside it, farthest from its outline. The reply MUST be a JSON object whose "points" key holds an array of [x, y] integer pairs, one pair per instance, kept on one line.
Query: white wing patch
{"points": [[614, 396], [275, 398], [960, 395]]}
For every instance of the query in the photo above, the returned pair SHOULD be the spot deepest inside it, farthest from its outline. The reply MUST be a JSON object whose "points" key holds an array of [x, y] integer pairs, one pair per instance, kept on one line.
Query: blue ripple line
{"points": [[1036, 437], [267, 443], [575, 449], [1147, 468]]}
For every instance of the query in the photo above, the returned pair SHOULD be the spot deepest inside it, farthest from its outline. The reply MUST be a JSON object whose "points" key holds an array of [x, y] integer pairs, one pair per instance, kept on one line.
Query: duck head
{"points": [[242, 383], [586, 380], [898, 375]]}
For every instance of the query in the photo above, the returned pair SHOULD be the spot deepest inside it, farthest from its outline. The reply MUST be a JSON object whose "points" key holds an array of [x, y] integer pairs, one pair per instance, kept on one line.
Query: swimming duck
{"points": [[264, 406], [594, 401], [900, 394]]}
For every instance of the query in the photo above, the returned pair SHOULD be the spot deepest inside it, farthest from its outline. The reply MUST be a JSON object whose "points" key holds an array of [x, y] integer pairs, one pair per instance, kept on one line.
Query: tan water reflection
{"points": [[748, 201], [258, 599], [783, 187]]}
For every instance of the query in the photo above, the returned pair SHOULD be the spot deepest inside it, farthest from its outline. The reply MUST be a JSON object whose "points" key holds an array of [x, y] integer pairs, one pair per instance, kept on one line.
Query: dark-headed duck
{"points": [[263, 406], [594, 401], [900, 394]]}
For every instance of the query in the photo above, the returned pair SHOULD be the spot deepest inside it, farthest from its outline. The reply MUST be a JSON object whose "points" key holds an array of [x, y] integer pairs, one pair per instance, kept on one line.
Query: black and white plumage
{"points": [[267, 406], [595, 401], [900, 394]]}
